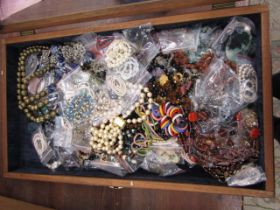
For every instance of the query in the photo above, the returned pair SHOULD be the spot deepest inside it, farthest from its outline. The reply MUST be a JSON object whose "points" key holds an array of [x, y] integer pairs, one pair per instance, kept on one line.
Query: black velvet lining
{"points": [[22, 156]]}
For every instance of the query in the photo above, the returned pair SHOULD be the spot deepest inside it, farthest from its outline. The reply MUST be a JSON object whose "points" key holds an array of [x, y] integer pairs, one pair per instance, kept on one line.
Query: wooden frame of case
{"points": [[267, 106]]}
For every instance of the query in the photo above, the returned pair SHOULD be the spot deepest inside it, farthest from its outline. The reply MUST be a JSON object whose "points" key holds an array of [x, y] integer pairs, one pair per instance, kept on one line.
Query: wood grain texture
{"points": [[12, 204], [112, 12], [75, 197], [267, 102], [3, 113], [134, 184], [205, 15]]}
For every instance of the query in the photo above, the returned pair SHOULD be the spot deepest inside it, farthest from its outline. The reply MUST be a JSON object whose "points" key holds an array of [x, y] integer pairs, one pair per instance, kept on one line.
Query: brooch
{"points": [[117, 53], [248, 83]]}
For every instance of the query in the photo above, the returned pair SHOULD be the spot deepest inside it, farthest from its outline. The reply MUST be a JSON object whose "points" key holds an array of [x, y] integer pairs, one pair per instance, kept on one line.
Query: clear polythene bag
{"points": [[116, 48], [247, 175], [73, 81], [107, 105], [128, 91], [236, 40], [163, 158], [61, 135], [223, 91], [146, 47], [47, 155], [183, 38], [109, 164], [115, 51], [78, 108]]}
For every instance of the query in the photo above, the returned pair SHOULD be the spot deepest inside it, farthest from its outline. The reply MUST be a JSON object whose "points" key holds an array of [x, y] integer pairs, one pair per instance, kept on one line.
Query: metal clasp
{"points": [[116, 187]]}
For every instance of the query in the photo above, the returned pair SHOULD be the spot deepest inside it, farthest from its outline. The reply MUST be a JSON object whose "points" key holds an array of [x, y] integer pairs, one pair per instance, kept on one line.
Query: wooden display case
{"points": [[14, 130]]}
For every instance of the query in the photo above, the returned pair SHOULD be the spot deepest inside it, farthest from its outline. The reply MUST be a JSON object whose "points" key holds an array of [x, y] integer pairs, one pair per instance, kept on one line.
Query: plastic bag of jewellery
{"points": [[208, 34], [183, 38], [76, 79], [109, 164], [163, 159], [131, 162], [236, 40], [141, 36], [127, 91], [130, 70], [174, 151], [81, 138], [73, 53], [62, 133], [248, 83], [115, 50], [88, 40], [151, 164], [78, 108], [68, 159], [247, 175], [218, 91], [106, 106], [47, 155]]}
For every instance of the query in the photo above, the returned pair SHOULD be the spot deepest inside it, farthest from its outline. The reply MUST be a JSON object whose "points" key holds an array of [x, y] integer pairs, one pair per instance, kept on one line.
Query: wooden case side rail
{"points": [[267, 102], [140, 184], [155, 21], [112, 12], [3, 108]]}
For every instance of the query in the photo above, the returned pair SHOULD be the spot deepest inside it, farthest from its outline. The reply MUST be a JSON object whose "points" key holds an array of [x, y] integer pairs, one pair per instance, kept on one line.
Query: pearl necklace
{"points": [[108, 137], [145, 94], [34, 106]]}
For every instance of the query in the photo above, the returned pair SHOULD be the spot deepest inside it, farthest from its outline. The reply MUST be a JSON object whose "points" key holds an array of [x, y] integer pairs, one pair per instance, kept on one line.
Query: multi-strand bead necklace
{"points": [[34, 106]]}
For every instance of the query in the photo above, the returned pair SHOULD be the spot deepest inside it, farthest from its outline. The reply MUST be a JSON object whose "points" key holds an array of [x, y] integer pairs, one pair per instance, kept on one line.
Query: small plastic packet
{"points": [[248, 83], [47, 155], [131, 163], [175, 39], [73, 53], [81, 138], [163, 158], [127, 91], [106, 105], [208, 34], [62, 134], [78, 108], [146, 47], [74, 80], [115, 50], [69, 160], [237, 39], [109, 163], [88, 40], [247, 175]]}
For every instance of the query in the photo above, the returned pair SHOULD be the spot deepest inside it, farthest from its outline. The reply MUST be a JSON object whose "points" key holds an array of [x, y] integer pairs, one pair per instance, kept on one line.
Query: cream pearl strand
{"points": [[145, 94], [107, 138]]}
